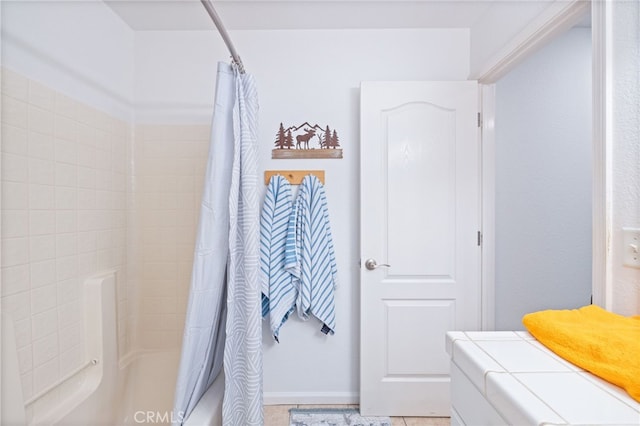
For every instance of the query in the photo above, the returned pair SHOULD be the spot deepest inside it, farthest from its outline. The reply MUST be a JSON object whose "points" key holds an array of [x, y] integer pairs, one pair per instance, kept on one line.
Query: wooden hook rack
{"points": [[293, 176]]}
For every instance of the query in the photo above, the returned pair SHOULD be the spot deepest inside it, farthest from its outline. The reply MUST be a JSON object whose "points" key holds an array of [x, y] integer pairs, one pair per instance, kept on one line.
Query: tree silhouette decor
{"points": [[281, 139], [306, 141]]}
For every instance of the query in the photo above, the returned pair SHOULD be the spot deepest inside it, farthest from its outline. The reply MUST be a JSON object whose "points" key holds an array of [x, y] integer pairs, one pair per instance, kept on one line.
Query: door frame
{"points": [[554, 22]]}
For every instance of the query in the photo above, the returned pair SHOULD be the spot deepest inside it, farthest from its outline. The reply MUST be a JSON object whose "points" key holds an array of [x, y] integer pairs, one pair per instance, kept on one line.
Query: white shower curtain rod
{"points": [[223, 32]]}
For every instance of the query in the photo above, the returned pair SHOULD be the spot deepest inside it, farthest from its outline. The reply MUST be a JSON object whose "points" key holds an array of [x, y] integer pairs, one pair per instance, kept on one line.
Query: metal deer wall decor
{"points": [[306, 141]]}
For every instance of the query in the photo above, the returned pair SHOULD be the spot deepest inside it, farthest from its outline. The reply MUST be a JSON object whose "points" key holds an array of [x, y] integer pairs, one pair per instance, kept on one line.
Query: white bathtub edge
{"points": [[208, 411]]}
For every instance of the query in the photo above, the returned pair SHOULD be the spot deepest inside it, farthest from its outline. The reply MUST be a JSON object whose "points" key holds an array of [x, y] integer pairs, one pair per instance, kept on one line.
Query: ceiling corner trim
{"points": [[559, 17]]}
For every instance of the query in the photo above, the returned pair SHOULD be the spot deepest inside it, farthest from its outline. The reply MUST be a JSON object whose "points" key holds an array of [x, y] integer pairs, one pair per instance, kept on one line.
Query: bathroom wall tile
{"points": [[173, 322], [86, 115], [25, 359], [65, 106], [14, 139], [45, 349], [23, 331], [87, 241], [119, 183], [87, 220], [70, 337], [158, 288], [67, 244], [41, 145], [15, 223], [104, 239], [15, 168], [87, 264], [104, 180], [41, 96], [66, 151], [152, 339], [151, 321], [41, 197], [86, 178], [44, 324], [104, 200], [41, 171], [66, 268], [14, 112], [103, 160], [86, 134], [15, 279], [66, 175], [40, 120], [27, 385], [185, 184], [103, 122], [158, 305], [185, 166], [15, 85], [15, 251], [42, 222], [576, 401], [69, 313], [42, 247], [184, 270], [66, 198], [517, 356], [185, 253], [66, 221], [47, 197], [65, 128], [160, 271], [158, 254], [86, 156], [45, 375], [43, 298], [68, 291], [86, 199], [42, 273], [103, 141], [15, 196], [105, 259]]}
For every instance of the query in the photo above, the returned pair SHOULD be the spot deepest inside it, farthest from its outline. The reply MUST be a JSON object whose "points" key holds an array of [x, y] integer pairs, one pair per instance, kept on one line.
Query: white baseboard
{"points": [[294, 398]]}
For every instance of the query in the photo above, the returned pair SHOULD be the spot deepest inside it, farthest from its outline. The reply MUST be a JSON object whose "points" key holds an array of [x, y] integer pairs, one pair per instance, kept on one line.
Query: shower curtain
{"points": [[222, 326]]}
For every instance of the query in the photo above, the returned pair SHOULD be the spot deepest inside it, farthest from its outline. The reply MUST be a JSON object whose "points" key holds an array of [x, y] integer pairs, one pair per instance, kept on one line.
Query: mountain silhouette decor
{"points": [[306, 141]]}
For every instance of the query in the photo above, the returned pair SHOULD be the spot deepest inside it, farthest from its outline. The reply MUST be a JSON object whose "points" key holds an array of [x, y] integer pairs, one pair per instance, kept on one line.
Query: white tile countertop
{"points": [[524, 383]]}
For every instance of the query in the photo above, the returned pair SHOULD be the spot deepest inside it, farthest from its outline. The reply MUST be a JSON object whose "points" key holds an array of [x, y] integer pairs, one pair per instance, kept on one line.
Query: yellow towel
{"points": [[601, 342]]}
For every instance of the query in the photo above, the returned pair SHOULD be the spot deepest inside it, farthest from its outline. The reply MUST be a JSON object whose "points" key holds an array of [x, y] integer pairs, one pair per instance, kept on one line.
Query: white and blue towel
{"points": [[310, 255], [278, 291]]}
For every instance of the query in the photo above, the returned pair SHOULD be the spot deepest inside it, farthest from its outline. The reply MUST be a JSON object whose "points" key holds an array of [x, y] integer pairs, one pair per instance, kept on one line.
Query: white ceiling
{"points": [[149, 15]]}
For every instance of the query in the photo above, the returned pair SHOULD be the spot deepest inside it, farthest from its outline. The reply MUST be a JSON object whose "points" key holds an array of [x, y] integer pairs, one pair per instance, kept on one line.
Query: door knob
{"points": [[371, 264]]}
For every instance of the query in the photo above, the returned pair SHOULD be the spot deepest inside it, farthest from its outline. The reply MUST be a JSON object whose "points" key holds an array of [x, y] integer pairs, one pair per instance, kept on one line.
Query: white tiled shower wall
{"points": [[78, 197], [64, 197], [169, 170]]}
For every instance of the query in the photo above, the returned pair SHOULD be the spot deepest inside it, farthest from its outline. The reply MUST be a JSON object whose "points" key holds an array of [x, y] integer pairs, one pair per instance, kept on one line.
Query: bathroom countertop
{"points": [[528, 384]]}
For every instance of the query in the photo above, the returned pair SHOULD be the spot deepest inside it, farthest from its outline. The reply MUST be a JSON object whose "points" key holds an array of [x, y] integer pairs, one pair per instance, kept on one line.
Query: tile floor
{"points": [[278, 415]]}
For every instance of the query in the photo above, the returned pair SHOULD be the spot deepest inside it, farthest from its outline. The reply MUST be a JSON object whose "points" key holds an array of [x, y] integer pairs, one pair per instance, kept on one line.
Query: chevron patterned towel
{"points": [[310, 256], [278, 292]]}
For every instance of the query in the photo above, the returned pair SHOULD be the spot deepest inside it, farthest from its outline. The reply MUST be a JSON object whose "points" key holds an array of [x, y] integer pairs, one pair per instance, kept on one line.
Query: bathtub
{"points": [[137, 389], [509, 378], [147, 396]]}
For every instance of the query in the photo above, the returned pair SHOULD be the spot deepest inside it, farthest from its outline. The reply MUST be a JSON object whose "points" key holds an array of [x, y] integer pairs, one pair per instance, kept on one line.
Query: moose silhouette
{"points": [[304, 139]]}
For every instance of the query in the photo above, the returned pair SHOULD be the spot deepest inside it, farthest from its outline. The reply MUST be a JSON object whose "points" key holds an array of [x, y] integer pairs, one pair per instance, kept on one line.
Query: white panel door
{"points": [[420, 214]]}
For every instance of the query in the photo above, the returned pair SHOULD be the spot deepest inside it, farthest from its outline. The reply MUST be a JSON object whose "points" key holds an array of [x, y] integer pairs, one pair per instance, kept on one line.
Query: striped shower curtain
{"points": [[222, 328]]}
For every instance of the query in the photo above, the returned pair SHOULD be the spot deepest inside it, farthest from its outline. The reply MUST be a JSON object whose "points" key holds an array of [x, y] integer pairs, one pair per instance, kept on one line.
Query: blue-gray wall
{"points": [[543, 181]]}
